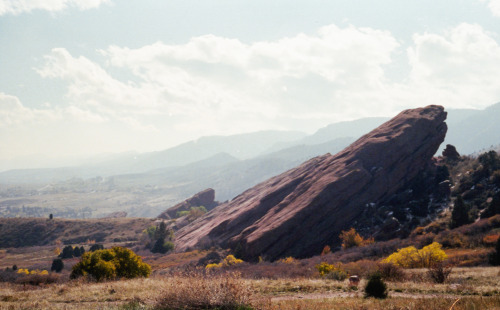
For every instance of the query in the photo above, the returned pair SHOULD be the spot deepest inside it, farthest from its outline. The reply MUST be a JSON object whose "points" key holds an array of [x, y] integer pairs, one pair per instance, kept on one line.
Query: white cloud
{"points": [[16, 7], [168, 94], [494, 6], [459, 68]]}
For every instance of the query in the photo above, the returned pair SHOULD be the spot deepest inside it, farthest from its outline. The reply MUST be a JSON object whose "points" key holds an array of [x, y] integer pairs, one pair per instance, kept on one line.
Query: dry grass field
{"points": [[474, 288]]}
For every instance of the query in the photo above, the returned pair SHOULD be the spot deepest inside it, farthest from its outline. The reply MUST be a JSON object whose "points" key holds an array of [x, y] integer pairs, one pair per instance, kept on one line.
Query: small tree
{"points": [[14, 267], [376, 287], [494, 257], [67, 252], [352, 239], [162, 246], [460, 213], [76, 252], [51, 216], [57, 265]]}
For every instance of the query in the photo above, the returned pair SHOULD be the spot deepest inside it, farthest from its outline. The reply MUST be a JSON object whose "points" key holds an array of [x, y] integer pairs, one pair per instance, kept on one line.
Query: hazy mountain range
{"points": [[231, 164]]}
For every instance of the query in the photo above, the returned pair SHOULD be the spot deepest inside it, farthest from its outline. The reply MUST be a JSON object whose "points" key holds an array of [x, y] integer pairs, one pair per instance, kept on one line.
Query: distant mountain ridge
{"points": [[230, 164]]}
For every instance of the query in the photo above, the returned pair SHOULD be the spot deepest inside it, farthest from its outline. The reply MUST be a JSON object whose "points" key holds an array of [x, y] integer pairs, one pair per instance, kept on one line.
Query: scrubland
{"points": [[238, 288]]}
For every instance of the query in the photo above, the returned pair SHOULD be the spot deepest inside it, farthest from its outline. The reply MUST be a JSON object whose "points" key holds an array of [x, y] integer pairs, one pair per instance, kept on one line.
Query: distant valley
{"points": [[144, 185]]}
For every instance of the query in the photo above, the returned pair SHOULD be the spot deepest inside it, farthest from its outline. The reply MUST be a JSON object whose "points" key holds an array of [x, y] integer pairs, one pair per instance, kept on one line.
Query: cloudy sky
{"points": [[84, 77]]}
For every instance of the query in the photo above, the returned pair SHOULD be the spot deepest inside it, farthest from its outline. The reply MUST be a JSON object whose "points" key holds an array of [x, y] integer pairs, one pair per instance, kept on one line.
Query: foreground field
{"points": [[470, 288]]}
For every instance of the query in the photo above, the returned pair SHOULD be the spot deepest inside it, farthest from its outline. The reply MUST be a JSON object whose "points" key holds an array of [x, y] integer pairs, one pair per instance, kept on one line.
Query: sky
{"points": [[80, 78]]}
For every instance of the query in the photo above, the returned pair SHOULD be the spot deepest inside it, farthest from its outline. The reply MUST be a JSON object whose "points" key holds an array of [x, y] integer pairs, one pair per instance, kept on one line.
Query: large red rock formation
{"points": [[298, 212]]}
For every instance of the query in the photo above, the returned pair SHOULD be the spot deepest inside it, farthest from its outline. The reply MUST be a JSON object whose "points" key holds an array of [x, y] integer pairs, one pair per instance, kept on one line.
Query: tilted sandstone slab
{"points": [[298, 212]]}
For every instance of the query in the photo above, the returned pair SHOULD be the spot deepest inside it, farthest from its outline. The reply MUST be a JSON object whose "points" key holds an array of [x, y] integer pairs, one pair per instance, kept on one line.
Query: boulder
{"points": [[300, 211], [451, 153]]}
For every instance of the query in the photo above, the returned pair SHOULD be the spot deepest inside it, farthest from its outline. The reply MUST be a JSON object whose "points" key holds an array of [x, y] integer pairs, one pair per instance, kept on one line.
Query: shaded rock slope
{"points": [[298, 212]]}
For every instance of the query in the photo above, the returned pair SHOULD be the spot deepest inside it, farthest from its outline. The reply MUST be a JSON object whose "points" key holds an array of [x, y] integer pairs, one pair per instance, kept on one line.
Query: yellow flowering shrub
{"points": [[331, 271], [288, 260], [410, 257], [230, 260], [324, 268]]}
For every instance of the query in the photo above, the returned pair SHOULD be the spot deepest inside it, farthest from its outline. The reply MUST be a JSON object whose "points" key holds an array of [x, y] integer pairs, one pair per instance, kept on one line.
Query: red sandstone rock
{"points": [[204, 198], [300, 211]]}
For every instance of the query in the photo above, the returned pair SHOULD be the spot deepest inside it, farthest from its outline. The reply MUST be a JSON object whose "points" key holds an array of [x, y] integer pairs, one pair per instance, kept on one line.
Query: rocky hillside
{"points": [[300, 211]]}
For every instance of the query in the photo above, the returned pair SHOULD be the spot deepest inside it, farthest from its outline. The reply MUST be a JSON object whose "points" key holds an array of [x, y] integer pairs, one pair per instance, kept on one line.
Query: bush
{"points": [[439, 272], [230, 260], [67, 252], [376, 287], [206, 292], [337, 274], [494, 257], [352, 239], [96, 247], [162, 246], [410, 257], [117, 262], [391, 272], [57, 265], [332, 272]]}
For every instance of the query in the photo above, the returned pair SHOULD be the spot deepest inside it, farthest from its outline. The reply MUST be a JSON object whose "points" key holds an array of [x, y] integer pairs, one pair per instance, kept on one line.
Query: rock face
{"points": [[300, 211], [204, 198]]}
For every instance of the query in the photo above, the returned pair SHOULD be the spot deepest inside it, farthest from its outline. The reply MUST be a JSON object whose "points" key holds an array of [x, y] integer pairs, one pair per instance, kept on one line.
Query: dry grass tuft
{"points": [[198, 291]]}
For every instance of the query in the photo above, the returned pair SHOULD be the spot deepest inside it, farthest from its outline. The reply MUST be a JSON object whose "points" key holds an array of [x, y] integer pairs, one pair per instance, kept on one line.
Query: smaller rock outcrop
{"points": [[204, 198], [450, 153]]}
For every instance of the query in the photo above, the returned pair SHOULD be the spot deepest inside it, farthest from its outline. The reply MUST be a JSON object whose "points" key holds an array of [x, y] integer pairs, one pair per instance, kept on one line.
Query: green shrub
{"points": [[162, 246], [494, 257], [337, 274], [96, 247], [332, 272], [117, 262], [67, 252], [57, 265], [376, 287]]}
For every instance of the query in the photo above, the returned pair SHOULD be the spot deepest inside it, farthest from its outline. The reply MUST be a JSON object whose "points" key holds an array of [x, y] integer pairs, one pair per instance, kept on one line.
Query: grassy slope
{"points": [[16, 232]]}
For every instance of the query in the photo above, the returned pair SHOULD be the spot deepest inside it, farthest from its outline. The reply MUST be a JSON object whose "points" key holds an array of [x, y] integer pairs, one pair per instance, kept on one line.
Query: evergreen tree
{"points": [[67, 252], [376, 287], [57, 265], [76, 252], [494, 257], [162, 246], [162, 231], [96, 247], [460, 213]]}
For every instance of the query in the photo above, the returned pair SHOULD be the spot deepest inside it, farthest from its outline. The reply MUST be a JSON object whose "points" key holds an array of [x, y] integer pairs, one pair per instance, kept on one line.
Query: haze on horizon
{"points": [[80, 78]]}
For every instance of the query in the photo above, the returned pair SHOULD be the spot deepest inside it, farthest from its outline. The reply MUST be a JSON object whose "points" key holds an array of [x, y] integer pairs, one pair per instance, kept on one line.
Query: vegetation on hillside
{"points": [[117, 262]]}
